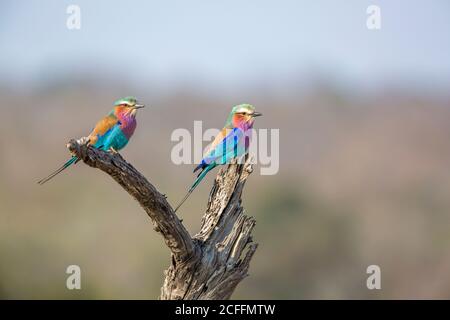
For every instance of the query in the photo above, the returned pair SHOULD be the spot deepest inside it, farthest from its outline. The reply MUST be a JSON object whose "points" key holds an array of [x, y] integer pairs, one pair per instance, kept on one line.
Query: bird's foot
{"points": [[83, 140], [113, 151], [241, 159]]}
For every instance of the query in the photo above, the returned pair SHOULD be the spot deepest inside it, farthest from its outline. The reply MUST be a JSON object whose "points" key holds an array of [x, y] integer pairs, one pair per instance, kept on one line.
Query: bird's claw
{"points": [[83, 140], [113, 151]]}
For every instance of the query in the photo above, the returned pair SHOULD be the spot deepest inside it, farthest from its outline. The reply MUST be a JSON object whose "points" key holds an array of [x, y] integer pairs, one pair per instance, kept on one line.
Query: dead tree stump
{"points": [[210, 264]]}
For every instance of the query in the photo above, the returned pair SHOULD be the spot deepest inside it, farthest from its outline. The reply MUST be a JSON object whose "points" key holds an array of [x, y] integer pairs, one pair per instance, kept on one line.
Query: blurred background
{"points": [[364, 120]]}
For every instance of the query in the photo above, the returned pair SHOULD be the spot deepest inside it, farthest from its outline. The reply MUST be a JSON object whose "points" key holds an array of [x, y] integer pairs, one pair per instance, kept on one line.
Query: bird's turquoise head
{"points": [[128, 105], [242, 116]]}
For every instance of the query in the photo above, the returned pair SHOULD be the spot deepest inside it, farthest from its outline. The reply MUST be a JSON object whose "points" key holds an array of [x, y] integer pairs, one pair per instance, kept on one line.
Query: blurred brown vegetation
{"points": [[364, 179]]}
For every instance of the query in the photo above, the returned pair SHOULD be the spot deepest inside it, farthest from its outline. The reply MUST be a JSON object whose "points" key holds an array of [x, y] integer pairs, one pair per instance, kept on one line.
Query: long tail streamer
{"points": [[196, 182], [59, 170]]}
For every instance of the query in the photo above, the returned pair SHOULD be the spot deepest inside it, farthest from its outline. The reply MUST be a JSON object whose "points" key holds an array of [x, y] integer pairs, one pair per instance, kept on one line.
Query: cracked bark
{"points": [[210, 264]]}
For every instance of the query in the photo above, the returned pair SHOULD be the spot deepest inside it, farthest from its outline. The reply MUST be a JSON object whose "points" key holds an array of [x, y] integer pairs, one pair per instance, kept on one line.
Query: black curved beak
{"points": [[256, 114]]}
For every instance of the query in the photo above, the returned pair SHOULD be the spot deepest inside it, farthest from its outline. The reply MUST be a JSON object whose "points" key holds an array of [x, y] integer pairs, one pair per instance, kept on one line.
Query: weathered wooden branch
{"points": [[212, 263]]}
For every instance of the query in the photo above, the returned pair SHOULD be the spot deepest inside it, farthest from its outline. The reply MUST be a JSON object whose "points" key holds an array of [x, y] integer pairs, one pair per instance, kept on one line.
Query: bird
{"points": [[110, 134], [232, 141]]}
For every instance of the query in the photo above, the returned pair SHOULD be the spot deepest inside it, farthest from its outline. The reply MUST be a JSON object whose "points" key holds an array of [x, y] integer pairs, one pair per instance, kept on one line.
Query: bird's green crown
{"points": [[130, 101], [240, 108], [243, 108]]}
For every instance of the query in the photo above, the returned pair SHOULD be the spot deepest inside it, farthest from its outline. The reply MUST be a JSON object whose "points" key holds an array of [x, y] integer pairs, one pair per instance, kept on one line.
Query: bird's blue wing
{"points": [[115, 139], [230, 147], [102, 138]]}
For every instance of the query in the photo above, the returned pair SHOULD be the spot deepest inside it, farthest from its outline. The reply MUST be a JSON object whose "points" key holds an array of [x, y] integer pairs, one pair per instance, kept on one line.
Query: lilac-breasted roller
{"points": [[232, 142], [111, 133]]}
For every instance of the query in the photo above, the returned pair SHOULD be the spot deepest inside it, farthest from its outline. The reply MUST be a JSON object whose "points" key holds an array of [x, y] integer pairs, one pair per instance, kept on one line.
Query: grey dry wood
{"points": [[212, 263]]}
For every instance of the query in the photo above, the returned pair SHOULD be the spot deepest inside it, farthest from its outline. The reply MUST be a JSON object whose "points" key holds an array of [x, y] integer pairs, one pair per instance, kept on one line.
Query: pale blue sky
{"points": [[228, 41]]}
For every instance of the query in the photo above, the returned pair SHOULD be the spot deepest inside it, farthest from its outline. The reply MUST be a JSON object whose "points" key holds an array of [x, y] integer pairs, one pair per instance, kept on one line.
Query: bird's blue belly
{"points": [[115, 139]]}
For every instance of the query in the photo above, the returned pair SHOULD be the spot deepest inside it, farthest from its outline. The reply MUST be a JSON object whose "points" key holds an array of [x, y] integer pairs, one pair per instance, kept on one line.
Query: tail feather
{"points": [[202, 165], [195, 184], [59, 170]]}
